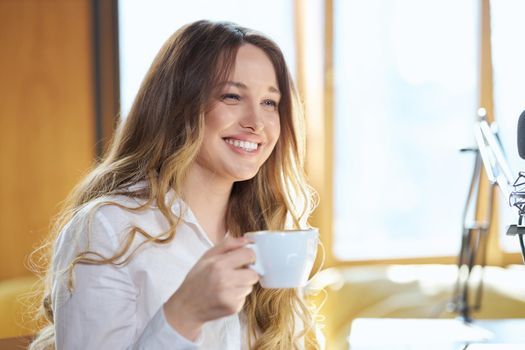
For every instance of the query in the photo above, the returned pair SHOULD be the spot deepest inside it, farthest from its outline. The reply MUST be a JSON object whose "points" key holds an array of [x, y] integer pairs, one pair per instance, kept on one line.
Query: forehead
{"points": [[252, 64]]}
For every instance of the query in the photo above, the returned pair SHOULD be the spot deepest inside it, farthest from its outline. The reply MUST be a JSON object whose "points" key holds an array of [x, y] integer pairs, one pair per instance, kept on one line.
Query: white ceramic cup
{"points": [[285, 258]]}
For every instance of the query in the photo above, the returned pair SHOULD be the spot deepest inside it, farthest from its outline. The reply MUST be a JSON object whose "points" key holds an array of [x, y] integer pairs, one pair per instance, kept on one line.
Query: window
{"points": [[145, 25], [405, 82]]}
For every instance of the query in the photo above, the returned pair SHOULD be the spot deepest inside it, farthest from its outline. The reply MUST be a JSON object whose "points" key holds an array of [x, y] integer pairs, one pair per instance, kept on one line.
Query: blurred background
{"points": [[390, 89]]}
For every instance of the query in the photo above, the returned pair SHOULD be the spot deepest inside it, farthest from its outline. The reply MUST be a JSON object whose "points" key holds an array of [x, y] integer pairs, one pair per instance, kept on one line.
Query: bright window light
{"points": [[145, 25], [405, 75]]}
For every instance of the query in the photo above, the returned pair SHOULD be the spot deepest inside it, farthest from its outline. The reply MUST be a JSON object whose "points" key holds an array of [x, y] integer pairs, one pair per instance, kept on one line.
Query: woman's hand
{"points": [[215, 287]]}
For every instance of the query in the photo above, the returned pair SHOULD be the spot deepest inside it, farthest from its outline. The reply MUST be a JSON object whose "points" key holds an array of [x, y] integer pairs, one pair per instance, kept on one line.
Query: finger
{"points": [[243, 292], [238, 258], [244, 278], [226, 245]]}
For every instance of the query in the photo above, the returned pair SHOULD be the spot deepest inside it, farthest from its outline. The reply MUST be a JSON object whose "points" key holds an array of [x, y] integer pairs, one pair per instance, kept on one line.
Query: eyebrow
{"points": [[244, 87]]}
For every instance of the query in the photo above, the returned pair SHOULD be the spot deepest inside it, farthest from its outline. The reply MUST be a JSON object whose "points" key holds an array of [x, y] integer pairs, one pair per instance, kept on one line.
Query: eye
{"points": [[270, 104], [230, 98]]}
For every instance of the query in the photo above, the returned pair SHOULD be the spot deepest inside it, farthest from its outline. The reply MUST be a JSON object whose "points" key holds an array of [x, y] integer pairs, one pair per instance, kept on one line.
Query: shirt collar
{"points": [[182, 210], [179, 208]]}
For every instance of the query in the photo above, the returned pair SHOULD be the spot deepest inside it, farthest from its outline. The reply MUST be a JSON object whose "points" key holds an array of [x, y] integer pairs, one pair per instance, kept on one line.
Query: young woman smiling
{"points": [[149, 251]]}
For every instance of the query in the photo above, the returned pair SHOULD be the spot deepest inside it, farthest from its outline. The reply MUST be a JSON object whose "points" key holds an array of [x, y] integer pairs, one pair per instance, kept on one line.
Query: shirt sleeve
{"points": [[100, 312], [158, 334]]}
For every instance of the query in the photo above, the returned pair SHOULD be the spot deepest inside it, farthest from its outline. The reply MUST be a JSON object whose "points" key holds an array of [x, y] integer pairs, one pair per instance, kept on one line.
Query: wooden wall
{"points": [[47, 130]]}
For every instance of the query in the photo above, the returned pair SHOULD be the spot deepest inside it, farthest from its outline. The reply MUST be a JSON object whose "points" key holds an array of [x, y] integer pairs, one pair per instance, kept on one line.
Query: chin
{"points": [[244, 176]]}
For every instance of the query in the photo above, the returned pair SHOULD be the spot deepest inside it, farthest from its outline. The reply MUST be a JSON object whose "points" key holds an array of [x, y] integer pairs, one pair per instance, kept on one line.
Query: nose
{"points": [[252, 119]]}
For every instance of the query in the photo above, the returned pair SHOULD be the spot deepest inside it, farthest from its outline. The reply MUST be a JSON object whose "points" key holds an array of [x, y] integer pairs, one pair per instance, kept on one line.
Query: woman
{"points": [[149, 252]]}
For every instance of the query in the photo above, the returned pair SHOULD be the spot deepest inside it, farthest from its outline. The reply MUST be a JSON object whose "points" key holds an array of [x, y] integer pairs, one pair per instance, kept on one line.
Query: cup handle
{"points": [[257, 265], [309, 288], [323, 257]]}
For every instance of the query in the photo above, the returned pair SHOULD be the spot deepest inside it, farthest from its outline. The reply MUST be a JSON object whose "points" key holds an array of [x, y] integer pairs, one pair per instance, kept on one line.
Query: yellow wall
{"points": [[46, 117]]}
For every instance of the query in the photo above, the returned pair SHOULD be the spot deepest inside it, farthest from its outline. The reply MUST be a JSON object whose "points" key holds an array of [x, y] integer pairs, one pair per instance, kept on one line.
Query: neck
{"points": [[207, 196]]}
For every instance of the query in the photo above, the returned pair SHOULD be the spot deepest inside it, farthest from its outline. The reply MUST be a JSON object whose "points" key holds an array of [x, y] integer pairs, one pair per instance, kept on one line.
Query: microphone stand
{"points": [[474, 237], [475, 232]]}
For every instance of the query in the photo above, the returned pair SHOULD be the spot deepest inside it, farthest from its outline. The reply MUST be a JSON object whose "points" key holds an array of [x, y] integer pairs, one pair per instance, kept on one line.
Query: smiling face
{"points": [[242, 126]]}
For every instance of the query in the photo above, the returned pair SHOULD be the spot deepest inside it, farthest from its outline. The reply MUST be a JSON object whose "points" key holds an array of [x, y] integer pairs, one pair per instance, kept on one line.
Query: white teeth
{"points": [[245, 145]]}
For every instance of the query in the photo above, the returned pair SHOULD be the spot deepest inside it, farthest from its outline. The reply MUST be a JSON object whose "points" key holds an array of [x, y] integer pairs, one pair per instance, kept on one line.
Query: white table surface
{"points": [[430, 334]]}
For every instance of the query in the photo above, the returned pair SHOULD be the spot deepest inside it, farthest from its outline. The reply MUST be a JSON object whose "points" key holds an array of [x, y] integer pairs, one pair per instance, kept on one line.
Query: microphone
{"points": [[521, 135], [517, 197]]}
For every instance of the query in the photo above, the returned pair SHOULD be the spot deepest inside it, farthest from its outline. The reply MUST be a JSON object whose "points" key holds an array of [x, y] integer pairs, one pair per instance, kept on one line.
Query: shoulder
{"points": [[101, 225]]}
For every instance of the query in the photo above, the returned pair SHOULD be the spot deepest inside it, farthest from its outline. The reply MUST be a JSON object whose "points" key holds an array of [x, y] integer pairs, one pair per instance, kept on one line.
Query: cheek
{"points": [[273, 134], [277, 133], [218, 118], [274, 128], [211, 124]]}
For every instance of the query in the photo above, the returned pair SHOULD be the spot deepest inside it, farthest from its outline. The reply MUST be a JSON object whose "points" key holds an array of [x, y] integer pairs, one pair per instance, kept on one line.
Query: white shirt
{"points": [[120, 307]]}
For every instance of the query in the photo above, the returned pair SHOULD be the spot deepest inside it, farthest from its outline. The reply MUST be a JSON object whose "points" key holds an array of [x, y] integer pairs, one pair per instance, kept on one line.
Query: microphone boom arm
{"points": [[494, 160], [490, 153]]}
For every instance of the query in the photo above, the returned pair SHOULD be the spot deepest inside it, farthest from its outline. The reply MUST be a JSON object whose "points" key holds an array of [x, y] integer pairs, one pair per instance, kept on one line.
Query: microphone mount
{"points": [[517, 200]]}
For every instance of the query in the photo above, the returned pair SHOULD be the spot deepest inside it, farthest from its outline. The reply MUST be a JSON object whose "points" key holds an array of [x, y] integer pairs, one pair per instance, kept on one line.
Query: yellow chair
{"points": [[15, 299]]}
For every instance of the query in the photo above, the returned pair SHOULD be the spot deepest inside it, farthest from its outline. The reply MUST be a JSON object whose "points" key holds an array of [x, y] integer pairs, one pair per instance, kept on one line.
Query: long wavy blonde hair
{"points": [[158, 142]]}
